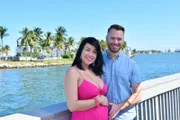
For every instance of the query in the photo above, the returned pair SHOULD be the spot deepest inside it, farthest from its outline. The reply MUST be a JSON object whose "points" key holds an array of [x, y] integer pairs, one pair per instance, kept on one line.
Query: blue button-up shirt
{"points": [[119, 76]]}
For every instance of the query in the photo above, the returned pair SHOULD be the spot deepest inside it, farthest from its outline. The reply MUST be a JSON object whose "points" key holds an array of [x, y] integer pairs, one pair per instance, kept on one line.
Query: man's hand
{"points": [[115, 108]]}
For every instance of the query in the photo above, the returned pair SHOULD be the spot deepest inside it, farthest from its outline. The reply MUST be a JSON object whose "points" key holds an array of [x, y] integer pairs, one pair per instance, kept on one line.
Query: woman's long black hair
{"points": [[98, 63]]}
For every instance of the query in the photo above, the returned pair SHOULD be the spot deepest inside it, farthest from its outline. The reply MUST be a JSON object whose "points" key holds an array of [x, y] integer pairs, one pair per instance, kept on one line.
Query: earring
{"points": [[97, 64], [80, 59]]}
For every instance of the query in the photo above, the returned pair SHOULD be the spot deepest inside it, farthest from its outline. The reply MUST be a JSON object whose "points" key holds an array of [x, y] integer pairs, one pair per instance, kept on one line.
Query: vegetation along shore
{"points": [[31, 64]]}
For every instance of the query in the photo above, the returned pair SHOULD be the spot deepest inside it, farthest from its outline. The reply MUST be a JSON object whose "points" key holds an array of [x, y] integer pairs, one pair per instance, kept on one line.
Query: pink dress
{"points": [[87, 90]]}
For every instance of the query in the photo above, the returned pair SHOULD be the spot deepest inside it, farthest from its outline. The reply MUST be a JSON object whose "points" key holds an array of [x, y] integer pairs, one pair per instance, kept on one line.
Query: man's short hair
{"points": [[116, 27]]}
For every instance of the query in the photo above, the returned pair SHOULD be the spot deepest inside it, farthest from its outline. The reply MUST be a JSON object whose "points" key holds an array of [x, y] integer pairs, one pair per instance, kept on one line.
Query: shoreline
{"points": [[29, 64]]}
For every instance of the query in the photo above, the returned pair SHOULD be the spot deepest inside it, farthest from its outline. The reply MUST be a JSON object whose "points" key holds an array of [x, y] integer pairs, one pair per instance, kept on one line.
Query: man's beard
{"points": [[113, 51]]}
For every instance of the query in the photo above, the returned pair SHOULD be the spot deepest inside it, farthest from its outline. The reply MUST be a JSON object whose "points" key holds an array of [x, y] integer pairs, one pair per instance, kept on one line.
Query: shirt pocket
{"points": [[123, 76]]}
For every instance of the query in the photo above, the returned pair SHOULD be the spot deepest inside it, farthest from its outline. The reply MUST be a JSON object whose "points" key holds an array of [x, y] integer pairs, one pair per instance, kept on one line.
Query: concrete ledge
{"points": [[19, 116], [157, 86], [53, 112]]}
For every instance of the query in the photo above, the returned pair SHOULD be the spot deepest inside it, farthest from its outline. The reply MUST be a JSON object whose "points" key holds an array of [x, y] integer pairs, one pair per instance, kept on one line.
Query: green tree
{"points": [[61, 32], [134, 51], [38, 33], [71, 43], [81, 39], [27, 40], [3, 33], [103, 44], [37, 37], [60, 38], [49, 40], [59, 44], [68, 44], [24, 39], [43, 45], [6, 49], [31, 41], [124, 45]]}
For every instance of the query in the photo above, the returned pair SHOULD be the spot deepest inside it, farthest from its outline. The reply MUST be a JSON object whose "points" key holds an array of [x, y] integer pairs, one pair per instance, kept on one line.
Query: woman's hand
{"points": [[102, 100]]}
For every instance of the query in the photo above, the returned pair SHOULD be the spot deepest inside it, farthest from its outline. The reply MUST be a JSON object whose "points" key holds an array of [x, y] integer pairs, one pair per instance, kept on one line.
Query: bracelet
{"points": [[97, 102], [129, 103]]}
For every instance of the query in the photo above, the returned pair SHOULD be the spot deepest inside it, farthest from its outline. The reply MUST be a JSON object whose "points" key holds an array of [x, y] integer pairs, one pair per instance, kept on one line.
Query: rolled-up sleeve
{"points": [[135, 74]]}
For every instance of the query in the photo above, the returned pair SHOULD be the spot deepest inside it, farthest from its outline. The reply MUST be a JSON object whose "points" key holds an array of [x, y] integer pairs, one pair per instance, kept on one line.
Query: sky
{"points": [[152, 24]]}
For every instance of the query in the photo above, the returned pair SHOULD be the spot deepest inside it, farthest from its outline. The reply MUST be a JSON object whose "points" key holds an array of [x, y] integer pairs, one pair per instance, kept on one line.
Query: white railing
{"points": [[161, 99]]}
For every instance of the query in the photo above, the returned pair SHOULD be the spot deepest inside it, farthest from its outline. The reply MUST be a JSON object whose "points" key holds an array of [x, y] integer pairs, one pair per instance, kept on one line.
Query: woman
{"points": [[84, 88]]}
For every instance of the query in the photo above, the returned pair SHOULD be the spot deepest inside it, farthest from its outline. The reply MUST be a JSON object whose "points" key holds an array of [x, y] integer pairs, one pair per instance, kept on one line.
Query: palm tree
{"points": [[43, 45], [25, 51], [37, 35], [103, 45], [49, 38], [38, 32], [61, 32], [37, 38], [49, 42], [6, 49], [124, 45], [81, 39], [24, 33], [0, 48], [71, 43], [68, 44], [60, 38], [27, 40], [31, 40], [3, 33], [134, 51], [59, 44], [23, 38], [37, 49], [46, 44]]}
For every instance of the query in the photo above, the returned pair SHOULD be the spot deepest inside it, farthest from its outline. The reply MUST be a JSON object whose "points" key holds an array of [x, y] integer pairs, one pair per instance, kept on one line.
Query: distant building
{"points": [[177, 50], [19, 49], [170, 50], [55, 52], [127, 51], [10, 54]]}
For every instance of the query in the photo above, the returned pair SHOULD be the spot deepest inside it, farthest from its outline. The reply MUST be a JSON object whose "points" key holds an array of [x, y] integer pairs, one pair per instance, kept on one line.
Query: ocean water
{"points": [[30, 88]]}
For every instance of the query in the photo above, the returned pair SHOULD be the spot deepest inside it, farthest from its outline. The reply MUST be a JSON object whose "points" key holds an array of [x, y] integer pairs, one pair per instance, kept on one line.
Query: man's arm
{"points": [[135, 86], [134, 98]]}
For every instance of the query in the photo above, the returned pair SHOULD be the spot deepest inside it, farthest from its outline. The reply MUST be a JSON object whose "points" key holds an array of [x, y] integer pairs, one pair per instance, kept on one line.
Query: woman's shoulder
{"points": [[72, 73], [71, 70]]}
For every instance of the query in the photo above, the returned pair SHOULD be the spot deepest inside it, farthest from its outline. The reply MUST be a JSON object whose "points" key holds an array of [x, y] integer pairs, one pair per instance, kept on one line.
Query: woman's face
{"points": [[88, 54]]}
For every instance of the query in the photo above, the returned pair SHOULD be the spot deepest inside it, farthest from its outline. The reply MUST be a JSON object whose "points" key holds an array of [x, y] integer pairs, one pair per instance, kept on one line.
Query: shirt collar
{"points": [[108, 56]]}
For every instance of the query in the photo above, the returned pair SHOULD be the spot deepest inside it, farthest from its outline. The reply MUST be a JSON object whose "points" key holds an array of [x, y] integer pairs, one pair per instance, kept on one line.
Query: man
{"points": [[121, 76]]}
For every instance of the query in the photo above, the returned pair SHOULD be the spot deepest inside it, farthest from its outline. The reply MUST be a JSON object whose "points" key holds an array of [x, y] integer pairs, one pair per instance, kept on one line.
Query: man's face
{"points": [[115, 39]]}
